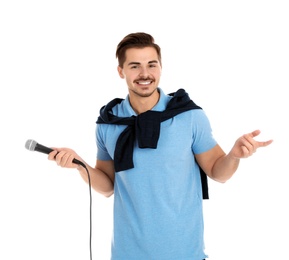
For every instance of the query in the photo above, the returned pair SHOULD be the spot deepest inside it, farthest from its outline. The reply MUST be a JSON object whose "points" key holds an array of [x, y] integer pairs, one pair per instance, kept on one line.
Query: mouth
{"points": [[144, 82]]}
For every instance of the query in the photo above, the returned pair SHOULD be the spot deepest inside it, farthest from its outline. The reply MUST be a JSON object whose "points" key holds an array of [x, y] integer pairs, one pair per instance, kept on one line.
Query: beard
{"points": [[144, 94]]}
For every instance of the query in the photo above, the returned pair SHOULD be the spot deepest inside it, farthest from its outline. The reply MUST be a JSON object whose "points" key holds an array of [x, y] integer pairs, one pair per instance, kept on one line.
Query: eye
{"points": [[134, 67], [152, 65]]}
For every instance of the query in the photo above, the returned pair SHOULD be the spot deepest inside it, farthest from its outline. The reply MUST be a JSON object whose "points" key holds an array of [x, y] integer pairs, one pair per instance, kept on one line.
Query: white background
{"points": [[58, 68]]}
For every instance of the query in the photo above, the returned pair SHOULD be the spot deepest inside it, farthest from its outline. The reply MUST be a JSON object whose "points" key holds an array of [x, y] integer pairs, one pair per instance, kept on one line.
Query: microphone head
{"points": [[30, 145]]}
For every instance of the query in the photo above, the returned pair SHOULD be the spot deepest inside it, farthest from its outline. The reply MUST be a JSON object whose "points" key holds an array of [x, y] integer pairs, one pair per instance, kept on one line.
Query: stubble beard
{"points": [[144, 95]]}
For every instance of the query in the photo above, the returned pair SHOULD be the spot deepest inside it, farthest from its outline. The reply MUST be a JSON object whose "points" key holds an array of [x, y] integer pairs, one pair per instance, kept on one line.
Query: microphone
{"points": [[32, 145]]}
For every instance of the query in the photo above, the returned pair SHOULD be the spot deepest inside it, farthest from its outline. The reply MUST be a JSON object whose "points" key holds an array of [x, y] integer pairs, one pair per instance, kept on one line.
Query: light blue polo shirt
{"points": [[158, 211]]}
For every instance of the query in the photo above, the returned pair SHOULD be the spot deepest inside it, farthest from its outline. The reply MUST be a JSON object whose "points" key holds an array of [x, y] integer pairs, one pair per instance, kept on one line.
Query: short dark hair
{"points": [[135, 40]]}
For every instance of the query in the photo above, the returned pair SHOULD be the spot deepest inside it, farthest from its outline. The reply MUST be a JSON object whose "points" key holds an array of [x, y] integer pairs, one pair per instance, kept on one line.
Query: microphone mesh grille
{"points": [[30, 145]]}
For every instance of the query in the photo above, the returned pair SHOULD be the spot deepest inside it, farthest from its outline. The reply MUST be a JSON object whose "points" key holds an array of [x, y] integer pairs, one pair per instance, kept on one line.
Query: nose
{"points": [[143, 72]]}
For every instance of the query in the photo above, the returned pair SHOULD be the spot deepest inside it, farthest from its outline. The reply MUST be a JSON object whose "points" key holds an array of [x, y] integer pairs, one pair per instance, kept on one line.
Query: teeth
{"points": [[144, 82]]}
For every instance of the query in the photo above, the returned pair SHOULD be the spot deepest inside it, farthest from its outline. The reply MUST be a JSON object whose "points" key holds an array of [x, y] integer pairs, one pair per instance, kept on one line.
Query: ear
{"points": [[120, 73]]}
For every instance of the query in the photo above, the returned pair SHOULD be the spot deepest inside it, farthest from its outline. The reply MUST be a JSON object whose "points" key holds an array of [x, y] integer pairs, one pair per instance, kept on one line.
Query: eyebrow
{"points": [[138, 63]]}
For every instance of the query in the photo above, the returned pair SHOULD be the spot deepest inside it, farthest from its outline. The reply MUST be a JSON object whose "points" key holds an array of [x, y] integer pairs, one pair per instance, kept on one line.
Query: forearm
{"points": [[225, 167], [100, 182]]}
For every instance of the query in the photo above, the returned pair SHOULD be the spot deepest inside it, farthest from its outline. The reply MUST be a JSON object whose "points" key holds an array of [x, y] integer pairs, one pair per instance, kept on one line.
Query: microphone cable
{"points": [[32, 145], [90, 208]]}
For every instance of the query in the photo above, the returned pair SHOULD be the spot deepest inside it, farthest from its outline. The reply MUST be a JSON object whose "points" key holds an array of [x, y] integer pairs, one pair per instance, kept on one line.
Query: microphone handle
{"points": [[42, 149]]}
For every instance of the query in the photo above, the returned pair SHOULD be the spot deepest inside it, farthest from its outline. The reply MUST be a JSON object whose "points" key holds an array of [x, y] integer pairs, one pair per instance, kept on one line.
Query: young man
{"points": [[152, 148]]}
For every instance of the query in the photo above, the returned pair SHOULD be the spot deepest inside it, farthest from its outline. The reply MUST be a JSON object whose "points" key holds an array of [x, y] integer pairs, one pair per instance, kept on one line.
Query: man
{"points": [[152, 148]]}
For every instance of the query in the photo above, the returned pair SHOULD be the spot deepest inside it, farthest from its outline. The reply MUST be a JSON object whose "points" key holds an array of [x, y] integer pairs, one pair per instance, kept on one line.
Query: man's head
{"points": [[139, 64]]}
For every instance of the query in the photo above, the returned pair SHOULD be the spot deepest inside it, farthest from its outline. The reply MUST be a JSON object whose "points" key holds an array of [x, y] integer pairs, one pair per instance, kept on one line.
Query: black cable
{"points": [[90, 209]]}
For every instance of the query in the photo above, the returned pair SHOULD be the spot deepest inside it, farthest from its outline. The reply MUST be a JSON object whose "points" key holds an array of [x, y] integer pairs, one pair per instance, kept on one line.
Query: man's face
{"points": [[141, 70]]}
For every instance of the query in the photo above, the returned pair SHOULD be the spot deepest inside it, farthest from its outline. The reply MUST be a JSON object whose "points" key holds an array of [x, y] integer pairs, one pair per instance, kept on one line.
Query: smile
{"points": [[147, 82]]}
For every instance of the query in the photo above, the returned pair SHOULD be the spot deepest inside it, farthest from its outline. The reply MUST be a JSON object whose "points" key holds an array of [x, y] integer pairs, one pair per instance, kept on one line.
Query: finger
{"points": [[248, 142], [255, 133], [64, 160], [68, 160], [52, 155], [264, 143], [246, 151], [59, 157]]}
